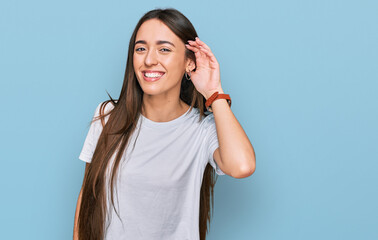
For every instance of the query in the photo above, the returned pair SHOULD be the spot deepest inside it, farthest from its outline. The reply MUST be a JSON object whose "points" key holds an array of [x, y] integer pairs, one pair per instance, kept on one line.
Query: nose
{"points": [[151, 58]]}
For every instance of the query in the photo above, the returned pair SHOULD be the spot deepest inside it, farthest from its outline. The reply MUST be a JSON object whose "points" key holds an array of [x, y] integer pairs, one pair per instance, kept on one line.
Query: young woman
{"points": [[152, 154]]}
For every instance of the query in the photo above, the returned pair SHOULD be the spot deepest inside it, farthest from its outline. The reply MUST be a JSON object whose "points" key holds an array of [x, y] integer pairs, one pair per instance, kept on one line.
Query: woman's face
{"points": [[159, 58]]}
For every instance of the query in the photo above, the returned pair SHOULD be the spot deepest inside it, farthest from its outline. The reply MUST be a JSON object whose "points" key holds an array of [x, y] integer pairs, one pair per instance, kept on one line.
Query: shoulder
{"points": [[208, 120], [102, 112], [107, 106], [202, 120], [104, 108]]}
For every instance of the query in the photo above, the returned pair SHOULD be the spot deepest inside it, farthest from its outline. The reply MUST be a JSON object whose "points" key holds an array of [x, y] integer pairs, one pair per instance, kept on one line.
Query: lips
{"points": [[152, 76]]}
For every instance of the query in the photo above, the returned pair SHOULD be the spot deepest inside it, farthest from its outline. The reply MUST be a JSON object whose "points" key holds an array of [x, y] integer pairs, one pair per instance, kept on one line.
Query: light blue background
{"points": [[302, 76]]}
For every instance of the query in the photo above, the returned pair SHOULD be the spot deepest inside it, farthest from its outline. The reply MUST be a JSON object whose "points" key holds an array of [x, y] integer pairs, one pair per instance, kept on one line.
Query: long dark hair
{"points": [[120, 126]]}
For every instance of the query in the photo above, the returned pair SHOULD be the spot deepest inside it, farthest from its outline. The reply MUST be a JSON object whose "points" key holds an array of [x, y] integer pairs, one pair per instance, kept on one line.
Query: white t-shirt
{"points": [[159, 181]]}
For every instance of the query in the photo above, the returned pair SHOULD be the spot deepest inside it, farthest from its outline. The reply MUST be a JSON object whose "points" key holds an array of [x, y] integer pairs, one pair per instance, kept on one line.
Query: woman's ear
{"points": [[190, 66]]}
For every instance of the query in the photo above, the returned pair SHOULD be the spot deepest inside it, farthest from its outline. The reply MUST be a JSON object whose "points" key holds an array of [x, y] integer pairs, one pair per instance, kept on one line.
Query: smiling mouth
{"points": [[152, 75]]}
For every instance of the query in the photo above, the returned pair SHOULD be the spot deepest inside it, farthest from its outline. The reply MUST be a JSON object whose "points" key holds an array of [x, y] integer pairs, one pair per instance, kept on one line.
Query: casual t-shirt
{"points": [[159, 178]]}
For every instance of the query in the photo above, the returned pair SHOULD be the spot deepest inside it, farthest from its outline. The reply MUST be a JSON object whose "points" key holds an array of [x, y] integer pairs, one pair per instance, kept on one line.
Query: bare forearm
{"points": [[236, 150]]}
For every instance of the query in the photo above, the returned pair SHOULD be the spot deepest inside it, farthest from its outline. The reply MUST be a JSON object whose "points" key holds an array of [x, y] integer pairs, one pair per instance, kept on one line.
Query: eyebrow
{"points": [[159, 42]]}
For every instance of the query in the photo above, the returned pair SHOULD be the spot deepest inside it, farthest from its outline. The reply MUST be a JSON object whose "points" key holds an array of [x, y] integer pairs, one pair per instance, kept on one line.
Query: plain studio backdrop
{"points": [[303, 80]]}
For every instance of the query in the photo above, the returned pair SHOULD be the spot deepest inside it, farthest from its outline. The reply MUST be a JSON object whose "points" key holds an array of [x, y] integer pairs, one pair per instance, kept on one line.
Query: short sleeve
{"points": [[212, 143], [92, 137]]}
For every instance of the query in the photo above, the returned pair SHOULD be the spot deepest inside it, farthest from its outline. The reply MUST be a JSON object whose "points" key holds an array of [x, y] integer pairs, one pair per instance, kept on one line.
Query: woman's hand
{"points": [[206, 78]]}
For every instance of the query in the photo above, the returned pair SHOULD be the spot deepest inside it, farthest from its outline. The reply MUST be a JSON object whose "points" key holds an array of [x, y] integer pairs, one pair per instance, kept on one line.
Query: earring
{"points": [[186, 75]]}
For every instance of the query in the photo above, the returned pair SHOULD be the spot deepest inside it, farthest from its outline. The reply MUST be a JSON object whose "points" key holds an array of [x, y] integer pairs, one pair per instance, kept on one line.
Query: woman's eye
{"points": [[139, 49], [165, 50]]}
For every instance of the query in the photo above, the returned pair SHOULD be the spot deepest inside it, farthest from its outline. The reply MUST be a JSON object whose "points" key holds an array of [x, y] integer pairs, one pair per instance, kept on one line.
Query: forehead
{"points": [[154, 29]]}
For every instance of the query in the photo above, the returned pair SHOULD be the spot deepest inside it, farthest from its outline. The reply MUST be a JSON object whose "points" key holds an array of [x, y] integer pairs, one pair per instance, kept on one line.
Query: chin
{"points": [[151, 90]]}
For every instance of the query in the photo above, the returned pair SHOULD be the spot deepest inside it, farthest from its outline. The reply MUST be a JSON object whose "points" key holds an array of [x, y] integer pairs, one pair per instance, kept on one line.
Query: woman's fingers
{"points": [[198, 43], [203, 47], [194, 49], [206, 53], [203, 44], [197, 52], [197, 47], [201, 54], [209, 53]]}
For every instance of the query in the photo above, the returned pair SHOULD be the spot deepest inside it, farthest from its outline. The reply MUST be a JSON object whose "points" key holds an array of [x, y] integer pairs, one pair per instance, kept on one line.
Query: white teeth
{"points": [[153, 75]]}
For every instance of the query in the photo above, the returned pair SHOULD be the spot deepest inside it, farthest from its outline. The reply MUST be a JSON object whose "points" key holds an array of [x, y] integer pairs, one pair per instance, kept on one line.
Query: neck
{"points": [[163, 110]]}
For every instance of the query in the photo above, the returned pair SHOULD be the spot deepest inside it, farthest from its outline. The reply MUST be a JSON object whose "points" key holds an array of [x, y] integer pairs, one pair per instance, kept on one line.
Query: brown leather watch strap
{"points": [[216, 96]]}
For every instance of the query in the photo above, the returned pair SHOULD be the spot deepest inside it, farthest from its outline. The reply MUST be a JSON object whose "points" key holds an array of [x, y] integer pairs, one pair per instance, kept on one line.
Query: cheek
{"points": [[174, 64], [135, 61], [137, 64]]}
